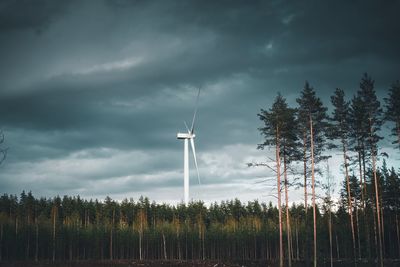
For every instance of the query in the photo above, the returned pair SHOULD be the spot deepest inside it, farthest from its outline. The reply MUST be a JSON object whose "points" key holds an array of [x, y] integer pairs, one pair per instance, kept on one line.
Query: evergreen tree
{"points": [[393, 110], [279, 130], [340, 130], [374, 115], [313, 119]]}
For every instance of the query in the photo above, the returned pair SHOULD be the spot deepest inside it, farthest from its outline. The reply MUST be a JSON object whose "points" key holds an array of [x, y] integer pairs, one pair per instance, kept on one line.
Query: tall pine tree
{"points": [[313, 120], [340, 131], [374, 121], [279, 130]]}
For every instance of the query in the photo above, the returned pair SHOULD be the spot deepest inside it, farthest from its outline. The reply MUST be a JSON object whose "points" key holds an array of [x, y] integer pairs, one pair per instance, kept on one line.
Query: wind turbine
{"points": [[189, 136]]}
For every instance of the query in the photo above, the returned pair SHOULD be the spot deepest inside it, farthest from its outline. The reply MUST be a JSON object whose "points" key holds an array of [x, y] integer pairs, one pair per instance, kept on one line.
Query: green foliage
{"points": [[392, 113]]}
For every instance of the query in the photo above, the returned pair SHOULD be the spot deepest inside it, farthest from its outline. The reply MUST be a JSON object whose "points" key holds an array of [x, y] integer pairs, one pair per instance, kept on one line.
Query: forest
{"points": [[360, 224]]}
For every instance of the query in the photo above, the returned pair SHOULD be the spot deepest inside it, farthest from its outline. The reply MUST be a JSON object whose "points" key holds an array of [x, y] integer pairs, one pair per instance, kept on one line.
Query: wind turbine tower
{"points": [[189, 136]]}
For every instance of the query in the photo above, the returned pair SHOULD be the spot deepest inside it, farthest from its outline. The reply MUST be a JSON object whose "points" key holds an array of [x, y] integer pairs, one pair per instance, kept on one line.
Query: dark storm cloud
{"points": [[28, 14], [123, 75]]}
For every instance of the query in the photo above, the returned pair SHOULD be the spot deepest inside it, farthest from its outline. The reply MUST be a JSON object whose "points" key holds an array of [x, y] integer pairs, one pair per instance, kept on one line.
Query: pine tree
{"points": [[341, 130], [312, 115], [393, 110], [279, 130], [374, 115]]}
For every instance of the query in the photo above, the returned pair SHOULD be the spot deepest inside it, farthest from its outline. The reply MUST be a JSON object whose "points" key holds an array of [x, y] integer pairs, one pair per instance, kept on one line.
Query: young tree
{"points": [[279, 131], [393, 110], [341, 130], [312, 114]]}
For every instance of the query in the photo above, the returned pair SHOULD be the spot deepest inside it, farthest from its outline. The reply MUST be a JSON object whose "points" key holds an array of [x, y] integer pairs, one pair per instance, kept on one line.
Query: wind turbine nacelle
{"points": [[185, 136]]}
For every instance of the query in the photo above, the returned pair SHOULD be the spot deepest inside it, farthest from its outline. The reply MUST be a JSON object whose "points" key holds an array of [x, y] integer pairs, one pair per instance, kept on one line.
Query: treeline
{"points": [[307, 135], [71, 228]]}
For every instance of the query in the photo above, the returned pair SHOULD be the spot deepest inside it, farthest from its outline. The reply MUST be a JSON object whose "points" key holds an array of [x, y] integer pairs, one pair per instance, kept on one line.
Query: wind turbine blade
{"points": [[186, 127], [195, 160], [195, 112]]}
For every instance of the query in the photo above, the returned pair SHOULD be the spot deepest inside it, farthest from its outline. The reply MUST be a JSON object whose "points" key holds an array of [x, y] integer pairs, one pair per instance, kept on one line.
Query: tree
{"points": [[393, 110], [279, 131], [341, 130], [374, 114], [313, 118]]}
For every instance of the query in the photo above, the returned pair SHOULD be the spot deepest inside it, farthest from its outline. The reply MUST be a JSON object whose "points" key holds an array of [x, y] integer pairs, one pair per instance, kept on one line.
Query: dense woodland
{"points": [[362, 224]]}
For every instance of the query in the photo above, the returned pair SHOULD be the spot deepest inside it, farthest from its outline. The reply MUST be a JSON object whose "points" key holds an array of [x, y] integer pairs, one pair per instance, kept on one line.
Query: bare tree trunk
{"points": [[297, 242], [305, 170], [313, 190], [164, 246], [337, 248], [37, 241], [111, 234], [375, 234], [358, 234], [350, 202], [306, 248], [1, 242], [288, 230], [140, 246], [376, 195], [378, 216], [54, 233], [398, 234], [383, 231], [330, 234], [278, 172]]}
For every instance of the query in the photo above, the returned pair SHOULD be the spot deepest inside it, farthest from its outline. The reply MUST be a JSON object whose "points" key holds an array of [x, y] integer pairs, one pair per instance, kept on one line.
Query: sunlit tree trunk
{"points": [[378, 216], [305, 170], [349, 199], [313, 190], [288, 230], [278, 172]]}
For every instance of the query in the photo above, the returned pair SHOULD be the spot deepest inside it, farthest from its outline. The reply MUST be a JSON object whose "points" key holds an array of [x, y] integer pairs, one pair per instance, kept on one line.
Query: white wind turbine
{"points": [[186, 137]]}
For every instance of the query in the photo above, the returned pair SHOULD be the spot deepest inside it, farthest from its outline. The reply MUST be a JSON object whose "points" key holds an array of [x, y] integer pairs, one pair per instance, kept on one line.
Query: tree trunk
{"points": [[164, 246], [378, 216], [330, 234], [278, 172], [398, 235], [376, 198], [358, 235], [111, 234], [54, 233], [305, 170], [1, 242], [37, 241], [297, 242], [288, 230], [313, 190], [349, 199], [337, 248], [306, 247]]}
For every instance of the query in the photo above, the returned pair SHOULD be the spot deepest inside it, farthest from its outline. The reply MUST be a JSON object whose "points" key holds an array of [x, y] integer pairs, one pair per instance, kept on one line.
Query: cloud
{"points": [[94, 102]]}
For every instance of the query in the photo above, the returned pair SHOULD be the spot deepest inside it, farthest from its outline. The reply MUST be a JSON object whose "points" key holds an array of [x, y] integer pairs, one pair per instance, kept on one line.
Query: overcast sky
{"points": [[92, 93]]}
